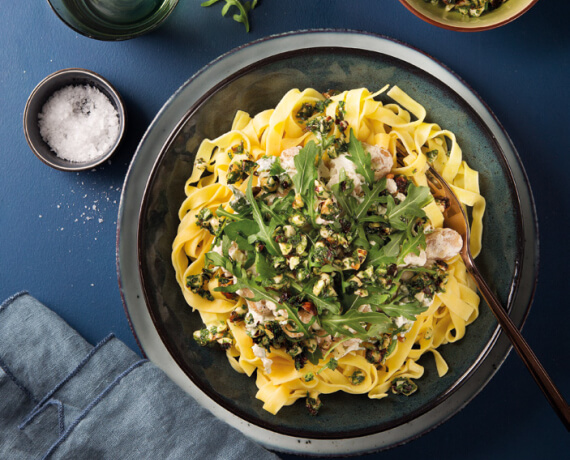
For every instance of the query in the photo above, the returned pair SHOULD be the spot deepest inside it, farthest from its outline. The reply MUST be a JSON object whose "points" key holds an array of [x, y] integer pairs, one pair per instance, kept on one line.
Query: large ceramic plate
{"points": [[254, 78]]}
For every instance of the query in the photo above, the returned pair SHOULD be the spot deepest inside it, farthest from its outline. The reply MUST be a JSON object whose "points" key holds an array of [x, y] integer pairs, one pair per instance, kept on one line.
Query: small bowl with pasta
{"points": [[468, 15], [295, 276]]}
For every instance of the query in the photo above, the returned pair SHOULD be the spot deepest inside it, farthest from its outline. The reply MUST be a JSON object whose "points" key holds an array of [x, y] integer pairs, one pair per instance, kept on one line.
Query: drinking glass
{"points": [[113, 19]]}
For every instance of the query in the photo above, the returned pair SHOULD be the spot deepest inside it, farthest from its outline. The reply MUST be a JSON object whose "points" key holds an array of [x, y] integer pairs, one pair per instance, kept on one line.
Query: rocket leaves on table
{"points": [[243, 9]]}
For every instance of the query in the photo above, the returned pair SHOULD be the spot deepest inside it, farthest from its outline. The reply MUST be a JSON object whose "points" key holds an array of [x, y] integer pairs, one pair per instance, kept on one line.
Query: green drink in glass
{"points": [[113, 19]]}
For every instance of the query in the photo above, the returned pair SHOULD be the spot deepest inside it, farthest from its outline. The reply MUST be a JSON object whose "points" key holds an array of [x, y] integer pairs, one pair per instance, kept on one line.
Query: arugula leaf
{"points": [[226, 243], [372, 218], [329, 269], [264, 269], [361, 158], [260, 293], [322, 303], [400, 214], [235, 231], [276, 168], [361, 239], [390, 303], [350, 324], [221, 212], [265, 232], [267, 209], [370, 197], [388, 253], [315, 357], [331, 364], [304, 180], [346, 201], [412, 243], [375, 240], [408, 310], [243, 9], [374, 300], [218, 260]]}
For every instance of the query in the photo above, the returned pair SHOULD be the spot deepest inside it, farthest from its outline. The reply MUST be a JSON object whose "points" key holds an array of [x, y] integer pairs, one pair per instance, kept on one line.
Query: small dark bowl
{"points": [[42, 93]]}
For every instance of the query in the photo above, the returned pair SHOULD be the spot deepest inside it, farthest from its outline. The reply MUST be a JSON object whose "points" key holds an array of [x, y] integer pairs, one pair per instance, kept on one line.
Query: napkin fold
{"points": [[60, 397]]}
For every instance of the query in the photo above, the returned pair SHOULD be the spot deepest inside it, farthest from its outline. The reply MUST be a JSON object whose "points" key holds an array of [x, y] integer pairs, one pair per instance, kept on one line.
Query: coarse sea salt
{"points": [[79, 123]]}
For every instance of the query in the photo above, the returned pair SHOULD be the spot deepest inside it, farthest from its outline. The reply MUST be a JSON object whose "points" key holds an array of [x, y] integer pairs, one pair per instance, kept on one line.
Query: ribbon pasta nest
{"points": [[314, 252]]}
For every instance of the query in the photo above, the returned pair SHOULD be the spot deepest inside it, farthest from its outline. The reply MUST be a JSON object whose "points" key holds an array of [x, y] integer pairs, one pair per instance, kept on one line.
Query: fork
{"points": [[455, 218]]}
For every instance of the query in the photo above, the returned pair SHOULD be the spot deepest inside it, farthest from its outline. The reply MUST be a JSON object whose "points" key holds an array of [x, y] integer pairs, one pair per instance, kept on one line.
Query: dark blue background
{"points": [[59, 229]]}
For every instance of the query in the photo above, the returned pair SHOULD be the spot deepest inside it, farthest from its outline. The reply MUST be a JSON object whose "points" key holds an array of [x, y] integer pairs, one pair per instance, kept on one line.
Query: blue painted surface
{"points": [[59, 229]]}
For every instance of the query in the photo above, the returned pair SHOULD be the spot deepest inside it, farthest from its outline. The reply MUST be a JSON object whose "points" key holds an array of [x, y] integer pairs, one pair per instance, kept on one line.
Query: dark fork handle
{"points": [[541, 377]]}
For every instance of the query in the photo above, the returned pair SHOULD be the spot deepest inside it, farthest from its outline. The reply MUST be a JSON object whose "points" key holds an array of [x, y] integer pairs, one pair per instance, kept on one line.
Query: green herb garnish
{"points": [[243, 9]]}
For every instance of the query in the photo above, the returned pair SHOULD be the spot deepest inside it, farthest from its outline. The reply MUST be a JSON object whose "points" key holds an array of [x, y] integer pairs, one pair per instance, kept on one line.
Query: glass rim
{"points": [[127, 33]]}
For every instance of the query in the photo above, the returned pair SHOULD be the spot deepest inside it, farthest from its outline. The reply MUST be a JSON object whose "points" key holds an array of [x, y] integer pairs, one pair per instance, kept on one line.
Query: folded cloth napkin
{"points": [[63, 398]]}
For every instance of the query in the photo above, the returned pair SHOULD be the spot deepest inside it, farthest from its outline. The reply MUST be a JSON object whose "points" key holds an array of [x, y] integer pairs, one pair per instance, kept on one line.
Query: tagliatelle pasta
{"points": [[315, 258]]}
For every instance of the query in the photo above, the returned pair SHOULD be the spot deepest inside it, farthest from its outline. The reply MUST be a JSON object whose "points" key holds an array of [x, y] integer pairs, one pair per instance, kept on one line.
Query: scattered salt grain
{"points": [[79, 123]]}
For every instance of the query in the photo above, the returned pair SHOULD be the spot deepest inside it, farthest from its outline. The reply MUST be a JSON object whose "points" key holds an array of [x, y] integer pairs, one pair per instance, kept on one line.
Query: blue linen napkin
{"points": [[60, 397]]}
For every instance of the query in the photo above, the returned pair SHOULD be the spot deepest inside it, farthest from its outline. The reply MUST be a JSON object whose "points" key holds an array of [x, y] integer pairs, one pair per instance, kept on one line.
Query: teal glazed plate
{"points": [[254, 78]]}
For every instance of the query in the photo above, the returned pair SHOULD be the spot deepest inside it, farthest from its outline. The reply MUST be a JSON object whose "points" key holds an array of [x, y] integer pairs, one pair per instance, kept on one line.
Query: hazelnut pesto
{"points": [[473, 8]]}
